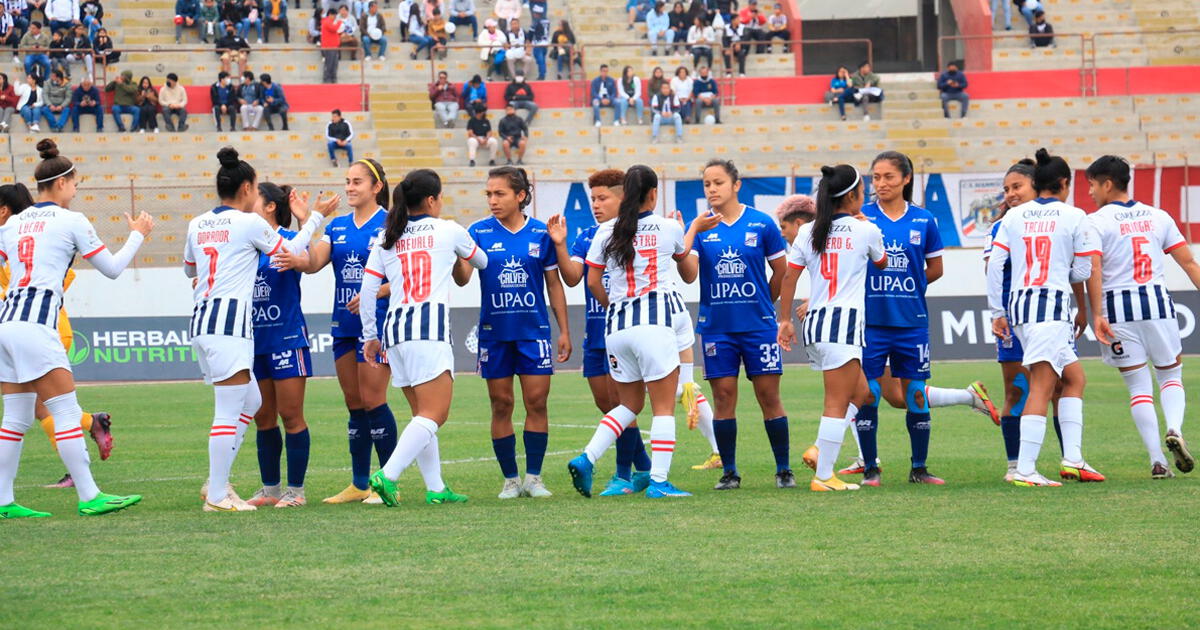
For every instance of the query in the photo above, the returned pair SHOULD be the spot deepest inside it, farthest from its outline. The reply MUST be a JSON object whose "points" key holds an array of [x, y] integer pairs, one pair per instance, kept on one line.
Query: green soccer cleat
{"points": [[445, 496], [385, 488], [105, 503], [12, 510]]}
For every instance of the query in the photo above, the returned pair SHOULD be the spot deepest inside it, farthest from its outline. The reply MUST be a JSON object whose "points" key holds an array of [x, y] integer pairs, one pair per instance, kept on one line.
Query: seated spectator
{"points": [[435, 29], [275, 16], [514, 55], [538, 36], [58, 101], [952, 84], [348, 31], [706, 94], [224, 100], [474, 94], [793, 212], [314, 28], [1041, 34], [430, 5], [251, 18], [444, 97], [629, 94], [187, 12], [1029, 9], [507, 10], [10, 35], [37, 45], [274, 101], [514, 133], [16, 11], [703, 9], [700, 39], [173, 99], [734, 46], [85, 99], [493, 41], [756, 25], [666, 109], [866, 88], [209, 18], [233, 48], [338, 136], [658, 28], [657, 78], [680, 21], [637, 10], [519, 95], [102, 48], [479, 133], [840, 90], [374, 32], [250, 102], [462, 13], [58, 55], [777, 28], [92, 16], [79, 49], [8, 103], [125, 95], [417, 34], [231, 14], [726, 9], [604, 94], [147, 102], [62, 15], [30, 100], [681, 89], [562, 50]]}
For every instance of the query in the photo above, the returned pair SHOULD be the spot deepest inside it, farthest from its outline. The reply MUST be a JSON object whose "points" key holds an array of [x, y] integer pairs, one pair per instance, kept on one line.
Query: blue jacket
{"points": [[656, 22], [943, 82], [474, 93], [78, 94], [275, 92], [187, 8], [608, 83], [700, 86]]}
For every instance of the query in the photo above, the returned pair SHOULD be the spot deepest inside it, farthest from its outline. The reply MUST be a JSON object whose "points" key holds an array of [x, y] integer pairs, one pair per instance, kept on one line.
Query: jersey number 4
{"points": [[829, 271], [417, 269], [1037, 249]]}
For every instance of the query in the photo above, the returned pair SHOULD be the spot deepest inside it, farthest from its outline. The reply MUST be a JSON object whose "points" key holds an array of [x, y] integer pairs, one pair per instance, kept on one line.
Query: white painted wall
{"points": [[854, 9]]}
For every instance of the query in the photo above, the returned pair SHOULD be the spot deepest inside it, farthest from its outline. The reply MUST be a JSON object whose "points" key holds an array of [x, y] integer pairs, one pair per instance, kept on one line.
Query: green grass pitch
{"points": [[974, 553]]}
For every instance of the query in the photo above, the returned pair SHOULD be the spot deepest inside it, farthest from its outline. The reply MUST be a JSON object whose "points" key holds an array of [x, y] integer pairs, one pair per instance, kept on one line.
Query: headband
{"points": [[372, 167], [857, 178], [54, 177]]}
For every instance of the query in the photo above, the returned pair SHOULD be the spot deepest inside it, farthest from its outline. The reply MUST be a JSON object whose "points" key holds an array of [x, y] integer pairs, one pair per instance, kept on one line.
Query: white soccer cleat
{"points": [[533, 487], [229, 504], [1033, 480], [292, 497], [511, 489], [373, 499], [204, 490], [265, 496], [1012, 472]]}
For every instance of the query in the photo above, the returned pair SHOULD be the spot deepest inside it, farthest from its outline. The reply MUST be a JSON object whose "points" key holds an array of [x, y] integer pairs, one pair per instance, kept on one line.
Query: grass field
{"points": [[973, 553]]}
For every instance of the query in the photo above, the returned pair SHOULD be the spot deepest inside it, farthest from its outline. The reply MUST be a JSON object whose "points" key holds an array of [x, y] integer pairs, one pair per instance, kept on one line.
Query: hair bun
{"points": [[47, 149], [1042, 156], [228, 157], [828, 171]]}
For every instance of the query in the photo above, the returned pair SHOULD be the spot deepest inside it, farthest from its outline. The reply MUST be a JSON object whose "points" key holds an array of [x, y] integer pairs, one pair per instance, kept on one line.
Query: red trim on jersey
{"points": [[1001, 246], [881, 259], [1165, 251], [189, 262], [94, 252], [374, 273], [4, 254], [474, 250], [680, 256], [277, 246], [593, 265], [795, 266], [1094, 252]]}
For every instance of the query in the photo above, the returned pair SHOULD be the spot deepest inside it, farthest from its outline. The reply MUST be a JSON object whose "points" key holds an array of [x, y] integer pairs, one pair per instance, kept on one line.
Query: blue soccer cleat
{"points": [[660, 490], [618, 487], [641, 481], [581, 474]]}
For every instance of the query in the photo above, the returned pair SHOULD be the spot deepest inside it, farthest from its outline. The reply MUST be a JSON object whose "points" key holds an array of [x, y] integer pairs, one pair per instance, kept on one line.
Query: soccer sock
{"points": [[250, 405], [358, 430], [687, 373], [1058, 432], [1033, 432], [298, 446], [1141, 407], [829, 444], [505, 449], [1070, 420], [1010, 430], [1170, 396], [71, 449], [85, 421], [662, 447], [611, 426], [948, 396], [777, 433], [18, 417], [626, 445], [705, 422], [918, 436], [641, 459], [383, 431], [725, 431], [222, 439], [535, 450], [866, 426], [430, 463], [415, 438], [270, 448]]}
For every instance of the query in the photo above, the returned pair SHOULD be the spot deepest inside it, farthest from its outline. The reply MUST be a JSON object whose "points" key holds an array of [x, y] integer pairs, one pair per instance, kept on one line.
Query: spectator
{"points": [[348, 31], [681, 89], [417, 35], [374, 32], [331, 43], [700, 38], [604, 94], [462, 13], [952, 84], [85, 99], [58, 101], [338, 136], [840, 89], [405, 8], [514, 55], [637, 10], [125, 96], [92, 16], [519, 95], [444, 97], [658, 28], [251, 17], [435, 29], [233, 48], [474, 94], [629, 93], [102, 48], [274, 101], [479, 133], [657, 78], [359, 7], [755, 23], [703, 9], [666, 108], [562, 49], [63, 14], [538, 37], [30, 100], [539, 11], [706, 94], [515, 135], [147, 102], [679, 20], [224, 100], [58, 56], [10, 35], [16, 10], [430, 5], [314, 28], [996, 4], [8, 103], [866, 88], [231, 13], [37, 45], [726, 9], [734, 46], [1041, 34], [1029, 9], [79, 49], [275, 16], [492, 55], [187, 12], [777, 28], [173, 99], [507, 10], [250, 102], [209, 18]]}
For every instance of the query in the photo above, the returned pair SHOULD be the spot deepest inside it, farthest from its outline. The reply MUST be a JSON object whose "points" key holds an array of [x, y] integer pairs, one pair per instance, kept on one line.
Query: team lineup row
{"points": [[864, 325]]}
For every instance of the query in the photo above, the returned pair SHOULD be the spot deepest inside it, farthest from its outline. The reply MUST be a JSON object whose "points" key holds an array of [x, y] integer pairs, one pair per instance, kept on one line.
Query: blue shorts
{"points": [[595, 362], [724, 354], [281, 365], [502, 359], [906, 350], [1014, 353], [344, 345]]}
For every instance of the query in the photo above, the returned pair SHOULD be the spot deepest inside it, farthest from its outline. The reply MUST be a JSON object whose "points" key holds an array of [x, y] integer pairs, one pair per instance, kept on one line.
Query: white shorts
{"points": [[1153, 340], [417, 362], [1048, 342], [29, 351], [222, 356], [685, 335], [831, 356], [641, 353]]}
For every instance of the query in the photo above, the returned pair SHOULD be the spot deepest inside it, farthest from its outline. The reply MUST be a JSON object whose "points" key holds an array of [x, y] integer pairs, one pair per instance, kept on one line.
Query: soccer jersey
{"points": [[349, 246], [836, 299], [1006, 285], [278, 319], [593, 335], [1135, 239], [224, 245], [735, 295], [640, 293], [896, 293], [513, 286]]}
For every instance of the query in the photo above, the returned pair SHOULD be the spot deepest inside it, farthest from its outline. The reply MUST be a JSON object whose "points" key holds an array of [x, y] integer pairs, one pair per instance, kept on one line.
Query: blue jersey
{"points": [[278, 319], [896, 293], [349, 246], [593, 336], [1006, 285], [735, 295], [513, 285]]}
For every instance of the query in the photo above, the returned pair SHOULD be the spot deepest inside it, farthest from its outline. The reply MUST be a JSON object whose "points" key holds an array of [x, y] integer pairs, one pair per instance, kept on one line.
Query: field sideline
{"points": [[974, 553]]}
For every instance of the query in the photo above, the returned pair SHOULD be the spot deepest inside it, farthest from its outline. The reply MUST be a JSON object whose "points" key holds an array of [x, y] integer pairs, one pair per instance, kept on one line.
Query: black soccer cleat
{"points": [[729, 481], [785, 479]]}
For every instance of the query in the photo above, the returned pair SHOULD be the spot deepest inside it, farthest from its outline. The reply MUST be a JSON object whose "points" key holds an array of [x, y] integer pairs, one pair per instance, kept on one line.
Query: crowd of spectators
{"points": [[1041, 34], [677, 100], [861, 89], [696, 29], [512, 131]]}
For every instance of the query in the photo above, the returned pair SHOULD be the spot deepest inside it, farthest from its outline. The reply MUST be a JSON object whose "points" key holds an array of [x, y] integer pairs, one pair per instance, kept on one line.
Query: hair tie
{"points": [[857, 178], [54, 177], [372, 167]]}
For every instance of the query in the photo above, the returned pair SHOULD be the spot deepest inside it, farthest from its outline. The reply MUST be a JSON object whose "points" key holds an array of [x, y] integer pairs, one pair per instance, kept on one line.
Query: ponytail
{"points": [[639, 181], [409, 197], [1050, 172], [837, 183]]}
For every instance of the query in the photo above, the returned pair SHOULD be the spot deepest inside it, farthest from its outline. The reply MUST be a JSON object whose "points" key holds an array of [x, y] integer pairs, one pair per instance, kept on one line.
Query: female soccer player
{"points": [[346, 244], [39, 245], [1052, 246], [514, 327], [633, 252], [839, 246], [418, 255]]}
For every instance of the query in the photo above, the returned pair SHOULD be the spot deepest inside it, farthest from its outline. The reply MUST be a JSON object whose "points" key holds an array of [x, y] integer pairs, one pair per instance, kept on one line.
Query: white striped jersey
{"points": [[837, 298], [1134, 241], [420, 269], [1042, 238], [222, 253], [639, 293]]}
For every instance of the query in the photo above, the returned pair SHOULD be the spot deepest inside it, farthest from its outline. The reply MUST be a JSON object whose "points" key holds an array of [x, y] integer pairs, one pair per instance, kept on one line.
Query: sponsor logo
{"points": [[712, 237], [472, 340], [262, 290], [730, 264], [710, 349], [914, 237], [352, 268], [80, 348], [751, 239], [535, 250], [496, 247], [612, 362], [513, 276]]}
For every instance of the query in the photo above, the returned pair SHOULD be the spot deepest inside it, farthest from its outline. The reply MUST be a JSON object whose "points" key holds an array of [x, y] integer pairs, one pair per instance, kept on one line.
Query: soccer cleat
{"points": [[1034, 480], [581, 469], [231, 503], [1079, 472], [1160, 471], [641, 481], [102, 433], [107, 503], [292, 497], [617, 487], [691, 405], [921, 475], [810, 456], [385, 488], [855, 468], [445, 496], [349, 495], [511, 489], [1012, 470], [1178, 447], [713, 462], [729, 481], [373, 499], [664, 490], [265, 496], [832, 484], [12, 510], [981, 402], [872, 477], [65, 482], [534, 487], [228, 490], [785, 479]]}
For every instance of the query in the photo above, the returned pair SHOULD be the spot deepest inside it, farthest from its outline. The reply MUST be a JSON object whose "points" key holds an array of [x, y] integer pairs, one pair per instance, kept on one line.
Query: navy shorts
{"points": [[502, 359], [345, 345], [906, 350], [281, 365], [724, 354], [1013, 352], [595, 362]]}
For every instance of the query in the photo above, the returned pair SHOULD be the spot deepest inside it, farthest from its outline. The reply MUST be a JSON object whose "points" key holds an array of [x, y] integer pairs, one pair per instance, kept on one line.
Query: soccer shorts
{"points": [[724, 354], [280, 365], [420, 361], [222, 356], [1048, 342], [344, 345], [642, 353], [29, 351], [1010, 351], [1153, 340], [824, 356], [905, 350], [502, 359], [685, 334], [595, 362]]}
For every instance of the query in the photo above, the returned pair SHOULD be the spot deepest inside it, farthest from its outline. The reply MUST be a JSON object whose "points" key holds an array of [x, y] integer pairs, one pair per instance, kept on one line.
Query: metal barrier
{"points": [[980, 58], [1092, 46]]}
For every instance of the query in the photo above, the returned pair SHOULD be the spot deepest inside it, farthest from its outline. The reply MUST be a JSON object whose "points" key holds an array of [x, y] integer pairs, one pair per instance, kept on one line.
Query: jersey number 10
{"points": [[417, 268]]}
